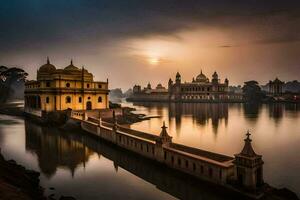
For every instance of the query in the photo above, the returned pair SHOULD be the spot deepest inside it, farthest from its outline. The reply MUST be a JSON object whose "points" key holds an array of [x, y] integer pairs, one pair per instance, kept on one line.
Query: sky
{"points": [[140, 41]]}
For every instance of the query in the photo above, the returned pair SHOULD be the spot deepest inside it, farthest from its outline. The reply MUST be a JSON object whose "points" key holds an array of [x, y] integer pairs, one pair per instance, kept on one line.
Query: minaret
{"points": [[226, 81], [178, 78], [177, 89], [248, 167], [215, 78]]}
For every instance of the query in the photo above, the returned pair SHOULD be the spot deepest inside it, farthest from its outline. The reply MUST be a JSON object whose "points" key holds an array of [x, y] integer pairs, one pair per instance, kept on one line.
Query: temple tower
{"points": [[249, 167], [177, 89]]}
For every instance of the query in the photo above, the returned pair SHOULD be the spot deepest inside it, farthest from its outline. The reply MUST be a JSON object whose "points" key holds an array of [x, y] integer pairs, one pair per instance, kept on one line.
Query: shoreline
{"points": [[212, 102], [17, 182]]}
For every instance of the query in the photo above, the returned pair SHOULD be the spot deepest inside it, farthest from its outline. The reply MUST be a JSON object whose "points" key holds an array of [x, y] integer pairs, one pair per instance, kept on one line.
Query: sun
{"points": [[154, 60]]}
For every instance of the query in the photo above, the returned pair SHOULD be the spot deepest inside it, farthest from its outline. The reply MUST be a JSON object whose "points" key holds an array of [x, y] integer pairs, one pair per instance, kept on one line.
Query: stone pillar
{"points": [[114, 129], [85, 116]]}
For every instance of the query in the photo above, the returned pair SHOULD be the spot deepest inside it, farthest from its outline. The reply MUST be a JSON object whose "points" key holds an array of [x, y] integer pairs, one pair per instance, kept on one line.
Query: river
{"points": [[87, 168]]}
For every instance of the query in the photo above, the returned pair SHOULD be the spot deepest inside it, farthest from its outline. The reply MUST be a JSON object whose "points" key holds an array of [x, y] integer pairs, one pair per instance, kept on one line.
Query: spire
{"points": [[71, 61], [48, 61], [201, 71], [248, 149], [164, 132]]}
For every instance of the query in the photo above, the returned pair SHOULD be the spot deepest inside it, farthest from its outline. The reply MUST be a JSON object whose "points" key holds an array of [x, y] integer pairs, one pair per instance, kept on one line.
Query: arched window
{"points": [[68, 99], [47, 100], [99, 99], [79, 99], [88, 85], [67, 84]]}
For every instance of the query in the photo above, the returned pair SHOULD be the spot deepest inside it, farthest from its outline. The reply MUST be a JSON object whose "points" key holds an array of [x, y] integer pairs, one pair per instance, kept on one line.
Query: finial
{"points": [[164, 125], [71, 61], [248, 134], [201, 71], [248, 139], [48, 61]]}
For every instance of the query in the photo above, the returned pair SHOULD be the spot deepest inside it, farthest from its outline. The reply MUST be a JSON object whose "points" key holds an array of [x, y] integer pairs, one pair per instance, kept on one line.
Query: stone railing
{"points": [[78, 115]]}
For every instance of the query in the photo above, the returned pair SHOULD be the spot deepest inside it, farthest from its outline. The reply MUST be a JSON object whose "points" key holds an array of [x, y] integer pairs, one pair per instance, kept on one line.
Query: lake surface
{"points": [[87, 168]]}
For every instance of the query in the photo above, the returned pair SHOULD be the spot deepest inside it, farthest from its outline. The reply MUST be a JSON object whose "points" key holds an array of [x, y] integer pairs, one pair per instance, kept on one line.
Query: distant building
{"points": [[61, 89], [276, 87], [159, 93], [200, 88]]}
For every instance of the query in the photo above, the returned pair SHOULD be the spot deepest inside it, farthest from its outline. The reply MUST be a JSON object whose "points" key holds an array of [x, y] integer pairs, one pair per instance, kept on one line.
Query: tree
{"points": [[11, 81], [252, 92]]}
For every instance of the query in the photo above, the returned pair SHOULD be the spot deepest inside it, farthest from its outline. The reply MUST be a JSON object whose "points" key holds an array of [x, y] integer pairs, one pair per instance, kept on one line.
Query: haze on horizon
{"points": [[134, 42]]}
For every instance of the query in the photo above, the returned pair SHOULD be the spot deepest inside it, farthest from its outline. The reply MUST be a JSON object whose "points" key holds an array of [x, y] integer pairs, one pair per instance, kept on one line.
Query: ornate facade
{"points": [[62, 89], [275, 87], [199, 89]]}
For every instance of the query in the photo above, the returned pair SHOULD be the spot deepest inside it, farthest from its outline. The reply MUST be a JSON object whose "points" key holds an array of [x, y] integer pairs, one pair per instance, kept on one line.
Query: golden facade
{"points": [[62, 89]]}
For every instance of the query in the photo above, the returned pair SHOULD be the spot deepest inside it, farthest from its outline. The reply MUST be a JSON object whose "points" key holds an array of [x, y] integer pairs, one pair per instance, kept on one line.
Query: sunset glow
{"points": [[154, 61]]}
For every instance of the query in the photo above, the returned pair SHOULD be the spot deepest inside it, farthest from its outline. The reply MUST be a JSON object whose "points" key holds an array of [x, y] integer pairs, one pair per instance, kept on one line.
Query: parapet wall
{"points": [[206, 165]]}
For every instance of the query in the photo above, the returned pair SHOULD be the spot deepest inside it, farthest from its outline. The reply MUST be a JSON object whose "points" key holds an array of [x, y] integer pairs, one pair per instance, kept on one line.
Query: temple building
{"points": [[61, 89], [275, 87], [199, 89]]}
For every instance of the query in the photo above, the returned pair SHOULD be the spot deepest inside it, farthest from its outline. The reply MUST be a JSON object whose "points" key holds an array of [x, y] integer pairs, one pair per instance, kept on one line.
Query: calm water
{"points": [[87, 168]]}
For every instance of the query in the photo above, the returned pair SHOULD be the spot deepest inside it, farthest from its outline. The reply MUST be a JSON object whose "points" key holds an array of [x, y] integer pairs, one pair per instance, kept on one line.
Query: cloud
{"points": [[225, 46], [44, 24]]}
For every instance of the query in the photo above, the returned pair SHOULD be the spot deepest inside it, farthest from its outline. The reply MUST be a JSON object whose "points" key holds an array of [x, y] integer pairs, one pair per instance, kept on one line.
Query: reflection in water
{"points": [[276, 135], [200, 113], [252, 110], [56, 149]]}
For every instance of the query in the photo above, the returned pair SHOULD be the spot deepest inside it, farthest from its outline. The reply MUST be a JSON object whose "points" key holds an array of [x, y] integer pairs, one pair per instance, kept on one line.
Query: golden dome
{"points": [[71, 67], [47, 67], [201, 78]]}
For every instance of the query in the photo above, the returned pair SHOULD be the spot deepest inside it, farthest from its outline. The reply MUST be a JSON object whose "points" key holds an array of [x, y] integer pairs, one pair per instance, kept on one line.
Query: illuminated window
{"points": [[68, 99]]}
